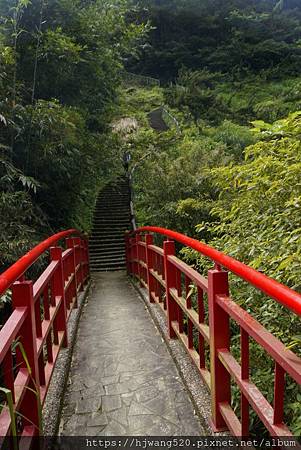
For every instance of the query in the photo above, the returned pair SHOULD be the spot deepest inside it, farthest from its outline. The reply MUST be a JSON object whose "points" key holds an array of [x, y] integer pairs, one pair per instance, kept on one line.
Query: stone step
{"points": [[113, 226], [105, 237], [107, 252], [106, 259], [117, 207], [107, 265], [108, 269], [115, 243], [113, 196], [112, 214], [100, 232], [114, 266], [120, 207], [113, 219], [106, 226], [113, 200]]}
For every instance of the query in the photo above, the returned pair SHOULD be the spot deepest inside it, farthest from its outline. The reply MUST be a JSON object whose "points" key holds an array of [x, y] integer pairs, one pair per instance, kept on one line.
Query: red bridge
{"points": [[198, 309]]}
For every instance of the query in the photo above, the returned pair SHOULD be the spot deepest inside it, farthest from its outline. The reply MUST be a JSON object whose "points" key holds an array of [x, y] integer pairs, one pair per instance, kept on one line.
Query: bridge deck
{"points": [[123, 380]]}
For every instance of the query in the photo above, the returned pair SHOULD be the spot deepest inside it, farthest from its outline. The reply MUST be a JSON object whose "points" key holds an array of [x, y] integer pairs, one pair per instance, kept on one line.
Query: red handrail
{"points": [[198, 320], [23, 264], [40, 313], [282, 294]]}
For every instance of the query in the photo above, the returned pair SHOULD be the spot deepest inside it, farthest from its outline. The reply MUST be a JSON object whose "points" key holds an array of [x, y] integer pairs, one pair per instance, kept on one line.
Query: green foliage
{"points": [[233, 37], [60, 73], [236, 188], [257, 221]]}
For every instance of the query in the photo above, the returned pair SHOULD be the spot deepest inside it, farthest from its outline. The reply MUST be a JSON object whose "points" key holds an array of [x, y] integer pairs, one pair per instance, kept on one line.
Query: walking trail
{"points": [[123, 380]]}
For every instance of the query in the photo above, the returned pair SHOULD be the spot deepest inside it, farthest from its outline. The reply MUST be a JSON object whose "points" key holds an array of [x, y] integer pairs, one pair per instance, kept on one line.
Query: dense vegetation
{"points": [[229, 174], [60, 70]]}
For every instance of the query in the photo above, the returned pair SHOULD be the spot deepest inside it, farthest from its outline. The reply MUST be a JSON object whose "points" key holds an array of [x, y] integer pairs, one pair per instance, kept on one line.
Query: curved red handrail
{"points": [[16, 271], [282, 294]]}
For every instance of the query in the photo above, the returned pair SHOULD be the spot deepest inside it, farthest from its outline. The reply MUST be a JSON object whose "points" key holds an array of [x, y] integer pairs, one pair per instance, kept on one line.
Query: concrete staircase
{"points": [[111, 220]]}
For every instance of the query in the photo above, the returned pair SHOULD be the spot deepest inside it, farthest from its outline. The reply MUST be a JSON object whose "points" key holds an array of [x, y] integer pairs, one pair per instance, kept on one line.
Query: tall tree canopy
{"points": [[235, 37], [60, 70]]}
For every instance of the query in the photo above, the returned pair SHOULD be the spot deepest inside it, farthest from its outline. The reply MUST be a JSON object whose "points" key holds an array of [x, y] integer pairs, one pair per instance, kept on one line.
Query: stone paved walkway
{"points": [[123, 380]]}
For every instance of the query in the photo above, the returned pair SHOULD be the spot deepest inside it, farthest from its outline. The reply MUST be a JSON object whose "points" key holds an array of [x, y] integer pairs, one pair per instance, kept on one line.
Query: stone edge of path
{"points": [[55, 397], [197, 390]]}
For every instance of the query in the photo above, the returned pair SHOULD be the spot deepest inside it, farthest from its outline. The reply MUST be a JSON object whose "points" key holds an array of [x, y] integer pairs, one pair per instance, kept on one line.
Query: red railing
{"points": [[169, 282], [37, 327]]}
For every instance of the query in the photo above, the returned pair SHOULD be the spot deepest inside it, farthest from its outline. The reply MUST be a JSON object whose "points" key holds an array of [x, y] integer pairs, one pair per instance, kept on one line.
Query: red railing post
{"points": [[87, 259], [22, 296], [150, 265], [70, 244], [127, 253], [133, 256], [139, 258], [78, 259], [59, 291], [219, 339], [170, 279]]}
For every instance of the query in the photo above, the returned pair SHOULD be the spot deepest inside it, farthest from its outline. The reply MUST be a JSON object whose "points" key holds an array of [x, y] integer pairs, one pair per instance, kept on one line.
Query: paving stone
{"points": [[90, 383], [163, 428], [88, 405], [127, 398], [123, 380], [111, 402], [97, 420], [120, 415], [142, 424], [147, 393], [119, 388], [72, 424], [110, 369], [136, 409], [110, 380], [114, 429], [94, 391]]}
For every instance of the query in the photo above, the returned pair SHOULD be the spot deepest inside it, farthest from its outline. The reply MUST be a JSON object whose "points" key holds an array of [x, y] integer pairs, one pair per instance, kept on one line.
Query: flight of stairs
{"points": [[111, 220]]}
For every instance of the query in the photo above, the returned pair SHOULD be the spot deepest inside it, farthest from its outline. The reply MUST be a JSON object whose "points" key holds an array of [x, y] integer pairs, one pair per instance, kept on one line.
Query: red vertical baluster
{"points": [[82, 260], [41, 368], [8, 373], [179, 292], [46, 302], [59, 291], [70, 244], [170, 273], [84, 244], [219, 338], [245, 413], [133, 257], [145, 261], [37, 310], [78, 252], [139, 258], [150, 265], [52, 299], [156, 270], [189, 305], [127, 253], [22, 296], [86, 259], [201, 312], [136, 257], [279, 388]]}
